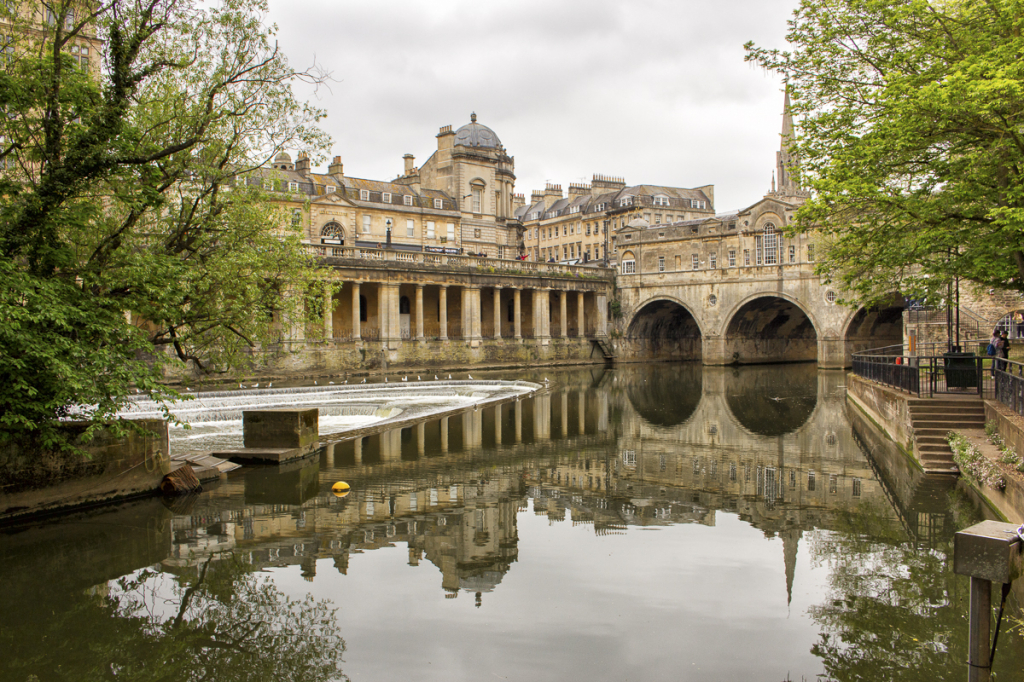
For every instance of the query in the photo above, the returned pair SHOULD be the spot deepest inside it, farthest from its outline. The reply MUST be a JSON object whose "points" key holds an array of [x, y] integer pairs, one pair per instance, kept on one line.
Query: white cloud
{"points": [[655, 91]]}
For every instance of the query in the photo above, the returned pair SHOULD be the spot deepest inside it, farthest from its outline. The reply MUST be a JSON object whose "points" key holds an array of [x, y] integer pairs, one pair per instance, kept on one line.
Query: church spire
{"points": [[786, 186]]}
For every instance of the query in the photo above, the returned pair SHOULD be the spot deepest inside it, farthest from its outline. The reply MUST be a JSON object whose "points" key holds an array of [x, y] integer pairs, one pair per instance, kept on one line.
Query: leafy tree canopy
{"points": [[130, 239], [911, 138]]}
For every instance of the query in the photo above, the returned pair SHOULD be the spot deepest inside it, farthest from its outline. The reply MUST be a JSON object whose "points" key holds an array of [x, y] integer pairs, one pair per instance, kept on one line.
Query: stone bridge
{"points": [[747, 315]]}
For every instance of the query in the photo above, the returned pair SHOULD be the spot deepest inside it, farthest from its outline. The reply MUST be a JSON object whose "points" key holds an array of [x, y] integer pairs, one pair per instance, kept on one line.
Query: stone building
{"points": [[582, 227]]}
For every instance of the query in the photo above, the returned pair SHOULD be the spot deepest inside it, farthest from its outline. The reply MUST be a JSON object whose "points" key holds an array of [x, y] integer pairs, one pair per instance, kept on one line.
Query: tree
{"points": [[911, 139], [130, 238]]}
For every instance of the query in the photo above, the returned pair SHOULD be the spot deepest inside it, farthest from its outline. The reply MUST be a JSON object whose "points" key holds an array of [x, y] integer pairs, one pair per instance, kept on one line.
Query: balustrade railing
{"points": [[454, 261]]}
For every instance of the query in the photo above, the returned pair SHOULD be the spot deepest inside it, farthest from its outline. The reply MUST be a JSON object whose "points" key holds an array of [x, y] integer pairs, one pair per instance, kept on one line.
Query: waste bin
{"points": [[961, 370]]}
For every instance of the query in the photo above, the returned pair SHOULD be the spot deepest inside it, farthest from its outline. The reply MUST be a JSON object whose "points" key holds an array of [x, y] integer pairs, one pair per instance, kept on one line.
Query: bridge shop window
{"points": [[694, 262], [713, 260], [732, 259], [746, 257], [771, 245], [810, 253], [792, 254], [661, 264], [628, 263]]}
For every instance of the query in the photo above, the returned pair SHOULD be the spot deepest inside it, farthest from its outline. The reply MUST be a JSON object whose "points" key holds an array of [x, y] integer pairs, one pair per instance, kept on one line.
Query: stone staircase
{"points": [[933, 418], [605, 347]]}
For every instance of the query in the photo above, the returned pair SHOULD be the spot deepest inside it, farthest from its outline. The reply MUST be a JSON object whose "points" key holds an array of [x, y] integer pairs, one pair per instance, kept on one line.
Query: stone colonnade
{"points": [[393, 312]]}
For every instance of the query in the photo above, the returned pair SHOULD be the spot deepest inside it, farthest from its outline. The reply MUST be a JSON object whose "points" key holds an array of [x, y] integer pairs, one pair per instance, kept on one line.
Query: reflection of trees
{"points": [[893, 610], [217, 621]]}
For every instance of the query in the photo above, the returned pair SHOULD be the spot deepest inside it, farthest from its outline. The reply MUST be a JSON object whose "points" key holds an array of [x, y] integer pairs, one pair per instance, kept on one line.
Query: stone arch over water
{"points": [[664, 329], [770, 328], [875, 327]]}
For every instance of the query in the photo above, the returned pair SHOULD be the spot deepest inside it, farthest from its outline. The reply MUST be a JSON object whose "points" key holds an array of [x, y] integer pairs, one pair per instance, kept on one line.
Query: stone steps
{"points": [[933, 419]]}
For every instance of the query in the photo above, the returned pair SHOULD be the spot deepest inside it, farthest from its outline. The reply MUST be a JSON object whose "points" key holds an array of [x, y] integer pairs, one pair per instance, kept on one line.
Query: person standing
{"points": [[1002, 351]]}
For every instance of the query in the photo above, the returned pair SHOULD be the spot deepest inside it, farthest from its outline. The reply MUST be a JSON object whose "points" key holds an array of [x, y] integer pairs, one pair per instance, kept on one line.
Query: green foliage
{"points": [[973, 463], [130, 242], [909, 136]]}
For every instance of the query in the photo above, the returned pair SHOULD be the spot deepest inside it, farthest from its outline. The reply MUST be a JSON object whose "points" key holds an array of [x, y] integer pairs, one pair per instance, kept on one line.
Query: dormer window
{"points": [[330, 189], [407, 199], [698, 203], [386, 197], [661, 200], [364, 195], [293, 187], [626, 201], [438, 204], [268, 185]]}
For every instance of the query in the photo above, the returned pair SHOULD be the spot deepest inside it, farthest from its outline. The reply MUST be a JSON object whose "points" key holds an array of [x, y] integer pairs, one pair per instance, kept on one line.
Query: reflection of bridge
{"points": [[451, 488]]}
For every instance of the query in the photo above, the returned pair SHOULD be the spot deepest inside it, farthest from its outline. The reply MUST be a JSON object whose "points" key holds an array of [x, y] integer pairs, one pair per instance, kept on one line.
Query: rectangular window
{"points": [[628, 267], [565, 252], [296, 217], [438, 203], [694, 262], [588, 229], [810, 253], [293, 187], [565, 230], [477, 200], [364, 195], [572, 250], [386, 197], [410, 228], [366, 224], [758, 250], [713, 260], [732, 259], [329, 189], [792, 254], [451, 232], [657, 218], [407, 199], [430, 229], [268, 185], [661, 264], [810, 481]]}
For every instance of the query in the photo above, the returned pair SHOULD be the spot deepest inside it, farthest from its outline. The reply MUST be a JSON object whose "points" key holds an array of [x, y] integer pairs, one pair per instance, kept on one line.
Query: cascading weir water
{"points": [[213, 420]]}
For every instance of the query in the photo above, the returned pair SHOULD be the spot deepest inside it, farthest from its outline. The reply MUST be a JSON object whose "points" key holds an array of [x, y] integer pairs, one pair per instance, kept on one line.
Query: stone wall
{"points": [[342, 357], [1011, 427], [888, 409], [113, 467]]}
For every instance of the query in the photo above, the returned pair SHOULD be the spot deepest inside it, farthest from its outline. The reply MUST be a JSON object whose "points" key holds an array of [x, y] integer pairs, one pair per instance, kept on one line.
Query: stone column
{"points": [[519, 417], [497, 312], [421, 438], [443, 314], [390, 327], [602, 315], [542, 315], [357, 447], [471, 315], [328, 312], [419, 312], [517, 312], [356, 331], [580, 323], [563, 313], [444, 434]]}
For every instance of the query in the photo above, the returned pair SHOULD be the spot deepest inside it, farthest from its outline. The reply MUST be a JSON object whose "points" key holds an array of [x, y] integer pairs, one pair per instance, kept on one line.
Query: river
{"points": [[648, 522]]}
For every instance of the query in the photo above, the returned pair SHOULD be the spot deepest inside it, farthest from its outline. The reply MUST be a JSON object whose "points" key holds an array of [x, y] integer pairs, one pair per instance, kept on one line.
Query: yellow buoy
{"points": [[340, 489]]}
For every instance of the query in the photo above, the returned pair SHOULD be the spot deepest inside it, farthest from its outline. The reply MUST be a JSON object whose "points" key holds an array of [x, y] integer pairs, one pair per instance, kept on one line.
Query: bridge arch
{"points": [[664, 328], [666, 395], [874, 327], [769, 327]]}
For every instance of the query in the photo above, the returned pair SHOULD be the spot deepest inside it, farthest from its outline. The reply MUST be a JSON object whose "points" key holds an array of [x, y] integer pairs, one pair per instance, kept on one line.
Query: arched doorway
{"points": [[770, 329], [663, 330]]}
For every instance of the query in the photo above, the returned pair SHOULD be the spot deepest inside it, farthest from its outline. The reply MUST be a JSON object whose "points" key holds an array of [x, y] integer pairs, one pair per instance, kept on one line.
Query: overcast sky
{"points": [[654, 91]]}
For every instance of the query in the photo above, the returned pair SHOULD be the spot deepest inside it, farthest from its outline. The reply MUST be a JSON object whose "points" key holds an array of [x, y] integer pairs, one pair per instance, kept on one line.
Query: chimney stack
{"points": [[336, 167], [409, 158]]}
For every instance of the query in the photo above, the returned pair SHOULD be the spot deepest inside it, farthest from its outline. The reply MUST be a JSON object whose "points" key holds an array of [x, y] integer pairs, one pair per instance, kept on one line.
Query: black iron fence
{"points": [[1009, 384], [931, 369]]}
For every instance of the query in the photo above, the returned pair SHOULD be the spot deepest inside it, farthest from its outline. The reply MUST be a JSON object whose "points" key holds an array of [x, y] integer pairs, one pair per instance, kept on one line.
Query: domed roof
{"points": [[474, 134], [283, 157]]}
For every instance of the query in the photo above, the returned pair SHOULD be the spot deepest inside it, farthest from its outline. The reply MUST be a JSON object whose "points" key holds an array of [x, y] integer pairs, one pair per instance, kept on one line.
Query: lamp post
{"points": [[387, 226]]}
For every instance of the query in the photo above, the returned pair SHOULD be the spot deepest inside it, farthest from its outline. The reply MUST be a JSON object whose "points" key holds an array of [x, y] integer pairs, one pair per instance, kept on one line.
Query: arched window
{"points": [[771, 245], [628, 263], [403, 305], [476, 189], [333, 233]]}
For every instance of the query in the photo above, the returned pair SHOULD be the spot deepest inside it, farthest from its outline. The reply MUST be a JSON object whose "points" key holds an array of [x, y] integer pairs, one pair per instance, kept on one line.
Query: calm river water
{"points": [[660, 522]]}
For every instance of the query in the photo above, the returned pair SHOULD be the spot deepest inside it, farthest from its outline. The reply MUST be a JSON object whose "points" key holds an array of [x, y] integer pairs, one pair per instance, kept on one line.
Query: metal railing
{"points": [[930, 370]]}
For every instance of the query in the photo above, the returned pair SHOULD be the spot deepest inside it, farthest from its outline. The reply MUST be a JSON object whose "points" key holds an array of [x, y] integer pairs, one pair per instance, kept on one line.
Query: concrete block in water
{"points": [[989, 550], [281, 428]]}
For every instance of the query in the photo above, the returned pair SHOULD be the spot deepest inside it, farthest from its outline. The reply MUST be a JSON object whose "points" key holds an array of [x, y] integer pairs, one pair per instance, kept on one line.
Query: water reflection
{"points": [[531, 501]]}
